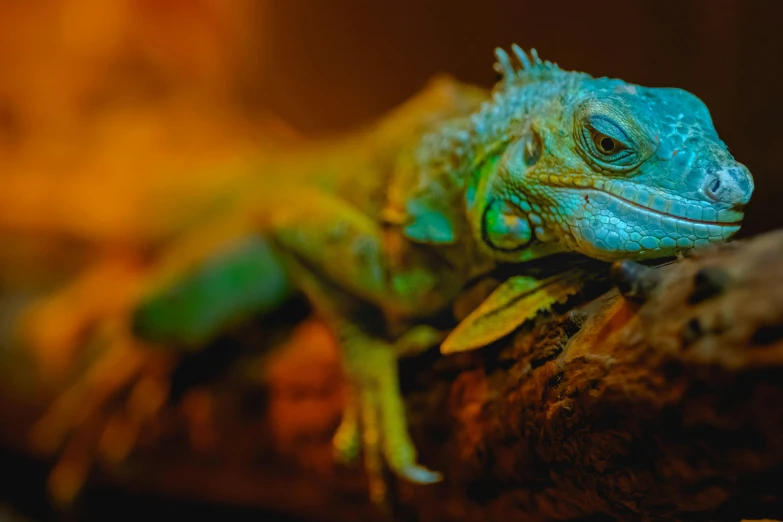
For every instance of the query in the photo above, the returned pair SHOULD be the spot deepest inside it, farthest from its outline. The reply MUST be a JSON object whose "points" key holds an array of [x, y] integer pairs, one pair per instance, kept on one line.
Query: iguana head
{"points": [[602, 167]]}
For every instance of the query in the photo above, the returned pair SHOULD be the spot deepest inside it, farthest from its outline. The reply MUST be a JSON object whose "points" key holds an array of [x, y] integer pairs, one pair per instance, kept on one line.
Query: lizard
{"points": [[383, 229]]}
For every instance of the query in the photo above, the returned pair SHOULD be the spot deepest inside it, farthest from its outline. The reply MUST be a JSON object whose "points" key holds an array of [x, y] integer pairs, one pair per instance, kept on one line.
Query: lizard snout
{"points": [[730, 185]]}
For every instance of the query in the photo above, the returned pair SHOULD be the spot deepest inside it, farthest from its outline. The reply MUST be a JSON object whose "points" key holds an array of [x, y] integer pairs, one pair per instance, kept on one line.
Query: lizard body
{"points": [[383, 229]]}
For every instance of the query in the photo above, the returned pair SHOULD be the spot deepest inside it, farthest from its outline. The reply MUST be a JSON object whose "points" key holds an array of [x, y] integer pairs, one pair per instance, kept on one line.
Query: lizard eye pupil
{"points": [[607, 144]]}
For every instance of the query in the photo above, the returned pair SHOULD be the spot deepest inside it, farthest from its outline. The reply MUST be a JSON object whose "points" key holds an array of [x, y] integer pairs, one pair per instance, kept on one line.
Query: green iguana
{"points": [[382, 230]]}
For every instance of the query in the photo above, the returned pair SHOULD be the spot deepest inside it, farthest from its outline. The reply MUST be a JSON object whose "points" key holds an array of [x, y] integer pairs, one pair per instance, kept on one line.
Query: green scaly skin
{"points": [[383, 229]]}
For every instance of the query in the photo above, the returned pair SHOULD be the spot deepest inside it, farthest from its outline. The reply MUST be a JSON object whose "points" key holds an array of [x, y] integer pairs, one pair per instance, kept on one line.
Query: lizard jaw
{"points": [[730, 220], [662, 203], [605, 226]]}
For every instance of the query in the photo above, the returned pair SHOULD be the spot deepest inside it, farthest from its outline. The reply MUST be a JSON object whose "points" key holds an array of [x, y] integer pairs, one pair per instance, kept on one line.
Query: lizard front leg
{"points": [[376, 412], [336, 256]]}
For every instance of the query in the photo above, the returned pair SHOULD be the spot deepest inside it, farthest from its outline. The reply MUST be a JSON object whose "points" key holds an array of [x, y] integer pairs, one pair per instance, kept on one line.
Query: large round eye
{"points": [[612, 134], [606, 145]]}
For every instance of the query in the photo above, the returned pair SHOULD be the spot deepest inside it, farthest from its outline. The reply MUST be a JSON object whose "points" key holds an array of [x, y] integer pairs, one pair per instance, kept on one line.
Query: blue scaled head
{"points": [[605, 168]]}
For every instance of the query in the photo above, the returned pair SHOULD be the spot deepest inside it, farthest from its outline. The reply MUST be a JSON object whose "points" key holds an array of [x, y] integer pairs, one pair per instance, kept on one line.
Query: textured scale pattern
{"points": [[667, 184]]}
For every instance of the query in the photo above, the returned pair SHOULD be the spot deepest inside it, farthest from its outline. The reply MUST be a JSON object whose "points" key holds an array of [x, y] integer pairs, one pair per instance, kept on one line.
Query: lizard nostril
{"points": [[730, 185], [715, 188]]}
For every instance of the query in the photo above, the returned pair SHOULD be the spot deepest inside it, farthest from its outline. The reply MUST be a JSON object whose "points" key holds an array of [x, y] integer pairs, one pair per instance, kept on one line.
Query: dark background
{"points": [[334, 64]]}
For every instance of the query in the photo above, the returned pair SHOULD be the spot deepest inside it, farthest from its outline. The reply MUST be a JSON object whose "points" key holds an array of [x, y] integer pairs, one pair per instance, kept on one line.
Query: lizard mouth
{"points": [[610, 218], [731, 220], [650, 230], [621, 193], [613, 226]]}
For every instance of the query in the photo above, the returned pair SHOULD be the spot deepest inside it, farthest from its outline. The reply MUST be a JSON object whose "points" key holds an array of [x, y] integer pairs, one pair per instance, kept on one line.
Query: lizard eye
{"points": [[605, 144], [611, 136]]}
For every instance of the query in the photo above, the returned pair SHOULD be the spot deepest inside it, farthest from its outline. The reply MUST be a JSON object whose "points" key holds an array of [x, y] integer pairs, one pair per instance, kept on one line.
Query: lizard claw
{"points": [[421, 475], [346, 439], [374, 422], [84, 425]]}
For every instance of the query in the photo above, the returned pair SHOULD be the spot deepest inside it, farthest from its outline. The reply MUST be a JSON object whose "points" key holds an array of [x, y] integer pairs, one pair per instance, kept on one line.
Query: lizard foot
{"points": [[374, 420], [102, 412]]}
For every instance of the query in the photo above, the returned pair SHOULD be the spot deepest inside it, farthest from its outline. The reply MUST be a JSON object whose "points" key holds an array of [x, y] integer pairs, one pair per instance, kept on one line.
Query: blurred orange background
{"points": [[110, 109]]}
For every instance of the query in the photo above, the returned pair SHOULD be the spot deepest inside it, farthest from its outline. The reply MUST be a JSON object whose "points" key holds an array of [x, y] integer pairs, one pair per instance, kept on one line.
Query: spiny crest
{"points": [[531, 68], [457, 146]]}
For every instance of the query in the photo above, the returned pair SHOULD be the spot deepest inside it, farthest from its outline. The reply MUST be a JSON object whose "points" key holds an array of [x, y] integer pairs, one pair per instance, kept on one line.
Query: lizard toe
{"points": [[346, 442], [420, 475]]}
